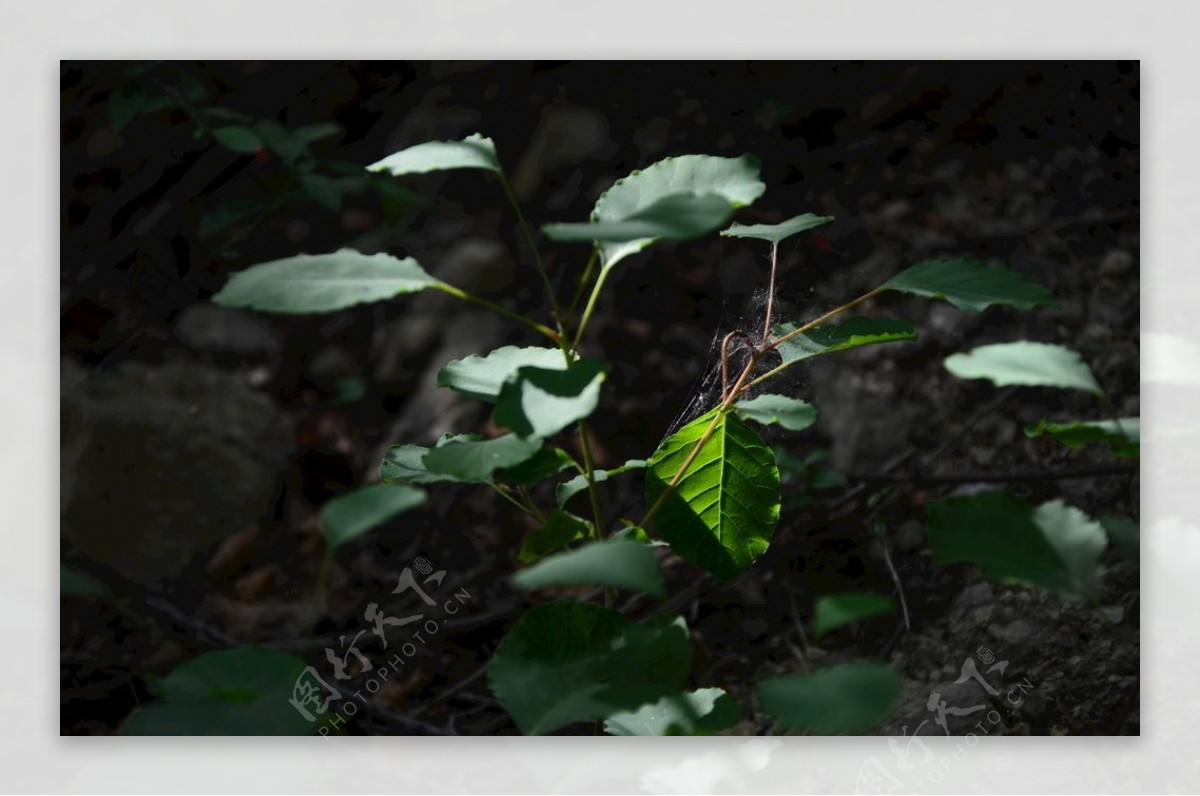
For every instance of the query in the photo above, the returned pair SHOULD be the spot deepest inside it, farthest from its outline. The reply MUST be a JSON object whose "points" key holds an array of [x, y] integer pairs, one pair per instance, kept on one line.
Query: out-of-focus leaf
{"points": [[473, 152], [542, 465], [351, 515], [847, 699], [1027, 364], [1122, 435], [620, 564], [675, 217], [558, 531], [969, 285], [836, 610], [702, 712], [73, 583], [125, 103], [791, 413], [1124, 533], [565, 491], [235, 138]]}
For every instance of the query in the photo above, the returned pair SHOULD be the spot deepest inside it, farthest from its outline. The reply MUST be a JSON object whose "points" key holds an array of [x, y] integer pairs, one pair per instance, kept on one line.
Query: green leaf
{"points": [[676, 217], [567, 662], [353, 514], [540, 402], [969, 285], [473, 152], [309, 283], [73, 583], [475, 461], [621, 564], [846, 699], [543, 464], [735, 179], [483, 377], [840, 336], [791, 413], [837, 610], [240, 691], [405, 464], [559, 530], [236, 138], [565, 491], [1054, 546], [702, 712], [723, 512], [775, 233], [1026, 364], [1123, 435], [280, 140], [315, 132], [326, 190]]}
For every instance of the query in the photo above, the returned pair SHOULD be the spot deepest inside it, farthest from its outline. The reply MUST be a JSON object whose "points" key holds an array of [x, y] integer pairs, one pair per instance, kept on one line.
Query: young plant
{"points": [[712, 489]]}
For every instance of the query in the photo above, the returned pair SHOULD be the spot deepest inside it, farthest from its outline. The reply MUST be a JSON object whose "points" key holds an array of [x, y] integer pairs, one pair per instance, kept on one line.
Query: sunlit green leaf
{"points": [[473, 152], [774, 233], [405, 464], [675, 217], [620, 564], [483, 377], [1123, 435], [567, 662], [969, 285], [1026, 364], [240, 691], [836, 610], [839, 336], [847, 699], [310, 283], [791, 413], [702, 712], [540, 402], [723, 512], [735, 179], [1053, 546], [353, 514]]}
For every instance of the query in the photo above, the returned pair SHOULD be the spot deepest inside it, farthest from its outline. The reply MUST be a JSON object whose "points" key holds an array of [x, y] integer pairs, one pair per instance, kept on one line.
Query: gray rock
{"points": [[159, 464], [211, 328], [1014, 632]]}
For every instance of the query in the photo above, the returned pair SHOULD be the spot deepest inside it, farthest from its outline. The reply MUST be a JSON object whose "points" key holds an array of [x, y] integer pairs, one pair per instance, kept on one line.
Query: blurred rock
{"points": [[565, 135], [209, 328], [160, 464]]}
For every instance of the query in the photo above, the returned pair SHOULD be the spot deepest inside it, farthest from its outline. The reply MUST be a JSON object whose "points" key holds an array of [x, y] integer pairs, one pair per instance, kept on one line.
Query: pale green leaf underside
{"points": [[791, 413], [969, 285], [483, 377], [1027, 364], [677, 217], [774, 233], [1054, 546], [846, 699], [476, 461], [1123, 435], [567, 662], [840, 336], [353, 514], [735, 179], [309, 283], [723, 512], [405, 464], [540, 402], [565, 491], [701, 712], [837, 610], [620, 564], [473, 152]]}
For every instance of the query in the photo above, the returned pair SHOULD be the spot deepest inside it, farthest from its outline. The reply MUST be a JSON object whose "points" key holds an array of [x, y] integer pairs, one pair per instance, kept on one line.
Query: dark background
{"points": [[198, 443]]}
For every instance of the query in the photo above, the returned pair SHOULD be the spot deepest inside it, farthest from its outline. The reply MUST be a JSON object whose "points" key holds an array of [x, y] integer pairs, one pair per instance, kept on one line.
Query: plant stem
{"points": [[513, 316], [590, 474], [725, 360], [591, 305], [771, 290], [537, 257], [583, 282], [530, 510]]}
